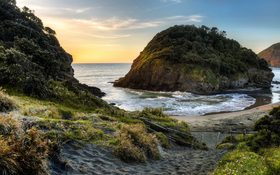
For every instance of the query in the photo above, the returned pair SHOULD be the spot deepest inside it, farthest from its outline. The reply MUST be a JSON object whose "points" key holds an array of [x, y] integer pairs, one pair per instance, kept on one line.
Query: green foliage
{"points": [[272, 157], [255, 154], [242, 163], [268, 129], [33, 62], [163, 139], [156, 115], [205, 47], [74, 97]]}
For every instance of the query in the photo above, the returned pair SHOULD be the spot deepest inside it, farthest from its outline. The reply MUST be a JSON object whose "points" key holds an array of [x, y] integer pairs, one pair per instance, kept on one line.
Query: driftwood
{"points": [[175, 136]]}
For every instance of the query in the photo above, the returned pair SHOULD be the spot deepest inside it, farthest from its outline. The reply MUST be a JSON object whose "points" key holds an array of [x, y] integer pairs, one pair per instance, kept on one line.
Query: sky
{"points": [[116, 31]]}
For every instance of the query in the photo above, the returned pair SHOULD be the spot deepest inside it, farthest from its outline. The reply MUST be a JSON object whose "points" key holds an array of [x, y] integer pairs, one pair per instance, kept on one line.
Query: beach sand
{"points": [[225, 122]]}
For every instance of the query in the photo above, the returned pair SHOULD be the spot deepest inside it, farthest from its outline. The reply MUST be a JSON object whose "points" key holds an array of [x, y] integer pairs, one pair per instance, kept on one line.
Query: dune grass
{"points": [[6, 103], [21, 152], [136, 144]]}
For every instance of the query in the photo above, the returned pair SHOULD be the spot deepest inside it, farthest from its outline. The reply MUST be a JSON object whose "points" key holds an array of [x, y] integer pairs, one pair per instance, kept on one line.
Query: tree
{"points": [[50, 31]]}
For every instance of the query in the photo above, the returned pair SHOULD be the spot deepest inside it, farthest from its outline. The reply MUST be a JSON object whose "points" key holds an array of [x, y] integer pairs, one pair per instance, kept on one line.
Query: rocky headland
{"points": [[272, 55], [196, 59]]}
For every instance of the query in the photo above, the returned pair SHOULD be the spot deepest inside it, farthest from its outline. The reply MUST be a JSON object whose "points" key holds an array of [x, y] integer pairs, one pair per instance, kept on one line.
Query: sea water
{"points": [[173, 103]]}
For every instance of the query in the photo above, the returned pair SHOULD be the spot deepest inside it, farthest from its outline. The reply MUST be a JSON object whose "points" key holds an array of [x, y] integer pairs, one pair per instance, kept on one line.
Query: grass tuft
{"points": [[6, 103], [135, 144]]}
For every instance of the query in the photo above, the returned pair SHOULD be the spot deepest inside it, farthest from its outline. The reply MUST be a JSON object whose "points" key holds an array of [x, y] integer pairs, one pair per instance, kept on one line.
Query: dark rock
{"points": [[198, 60], [275, 82]]}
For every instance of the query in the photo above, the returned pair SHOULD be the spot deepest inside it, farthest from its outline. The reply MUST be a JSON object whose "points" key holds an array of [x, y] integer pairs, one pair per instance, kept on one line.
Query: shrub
{"points": [[65, 114], [163, 139], [136, 145], [32, 151], [6, 103], [9, 126], [241, 163], [268, 129], [21, 152], [272, 157]]}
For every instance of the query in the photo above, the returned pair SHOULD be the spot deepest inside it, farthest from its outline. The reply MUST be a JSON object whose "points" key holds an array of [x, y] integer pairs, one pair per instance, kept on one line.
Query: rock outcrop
{"points": [[272, 55], [199, 60]]}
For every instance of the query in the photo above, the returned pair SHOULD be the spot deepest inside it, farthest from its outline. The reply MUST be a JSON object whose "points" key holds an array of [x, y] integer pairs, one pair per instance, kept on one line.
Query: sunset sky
{"points": [[113, 31]]}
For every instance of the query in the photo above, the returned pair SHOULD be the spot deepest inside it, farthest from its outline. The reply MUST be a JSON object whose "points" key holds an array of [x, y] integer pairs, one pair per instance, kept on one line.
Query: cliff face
{"points": [[31, 57], [199, 60], [272, 55]]}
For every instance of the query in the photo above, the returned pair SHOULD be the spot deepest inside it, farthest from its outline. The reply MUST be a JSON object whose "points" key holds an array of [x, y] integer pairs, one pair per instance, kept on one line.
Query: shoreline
{"points": [[227, 121]]}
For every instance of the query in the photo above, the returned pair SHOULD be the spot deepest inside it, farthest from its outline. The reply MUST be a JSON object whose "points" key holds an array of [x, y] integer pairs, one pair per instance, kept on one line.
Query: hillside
{"points": [[196, 59], [31, 58], [46, 112], [272, 55]]}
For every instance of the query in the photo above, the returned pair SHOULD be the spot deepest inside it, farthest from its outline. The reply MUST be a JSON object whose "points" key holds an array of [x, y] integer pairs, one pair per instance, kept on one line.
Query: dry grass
{"points": [[136, 145], [21, 152], [6, 103]]}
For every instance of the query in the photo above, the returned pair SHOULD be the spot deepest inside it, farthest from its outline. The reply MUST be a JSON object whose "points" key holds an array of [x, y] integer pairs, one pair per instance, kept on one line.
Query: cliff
{"points": [[196, 59], [272, 55]]}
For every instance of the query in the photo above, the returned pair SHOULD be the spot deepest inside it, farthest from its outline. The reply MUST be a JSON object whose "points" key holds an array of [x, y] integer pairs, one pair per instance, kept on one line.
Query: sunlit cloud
{"points": [[60, 11], [175, 1], [116, 23], [106, 36], [191, 18]]}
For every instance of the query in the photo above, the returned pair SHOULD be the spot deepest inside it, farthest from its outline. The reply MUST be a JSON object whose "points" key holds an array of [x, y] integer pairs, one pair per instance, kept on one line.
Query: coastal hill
{"points": [[31, 58], [196, 59], [46, 112], [272, 55]]}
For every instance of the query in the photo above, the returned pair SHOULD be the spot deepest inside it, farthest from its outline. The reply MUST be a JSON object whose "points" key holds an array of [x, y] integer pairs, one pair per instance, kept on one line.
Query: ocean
{"points": [[173, 103]]}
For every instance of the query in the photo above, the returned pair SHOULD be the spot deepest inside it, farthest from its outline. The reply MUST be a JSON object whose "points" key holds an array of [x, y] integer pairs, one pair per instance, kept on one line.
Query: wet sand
{"points": [[225, 122]]}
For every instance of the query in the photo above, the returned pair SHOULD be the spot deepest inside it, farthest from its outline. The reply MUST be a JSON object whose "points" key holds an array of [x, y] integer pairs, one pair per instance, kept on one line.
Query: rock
{"points": [[272, 55], [275, 82], [197, 60]]}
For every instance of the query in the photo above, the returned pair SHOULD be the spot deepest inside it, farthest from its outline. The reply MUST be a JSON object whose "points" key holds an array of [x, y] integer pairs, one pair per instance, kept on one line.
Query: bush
{"points": [[163, 139], [136, 145], [242, 163], [21, 152], [272, 157], [6, 103], [268, 129]]}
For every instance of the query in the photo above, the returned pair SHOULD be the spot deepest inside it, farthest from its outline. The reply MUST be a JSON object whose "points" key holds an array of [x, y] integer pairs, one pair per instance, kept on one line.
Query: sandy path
{"points": [[93, 160], [235, 121]]}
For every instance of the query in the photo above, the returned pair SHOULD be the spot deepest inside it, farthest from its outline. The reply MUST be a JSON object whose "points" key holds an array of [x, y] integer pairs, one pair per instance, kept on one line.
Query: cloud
{"points": [[77, 11], [108, 36], [115, 23], [191, 18], [56, 10], [175, 1]]}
